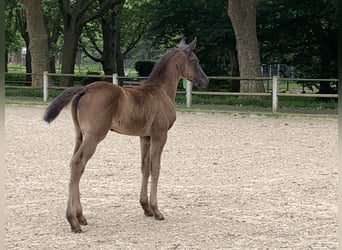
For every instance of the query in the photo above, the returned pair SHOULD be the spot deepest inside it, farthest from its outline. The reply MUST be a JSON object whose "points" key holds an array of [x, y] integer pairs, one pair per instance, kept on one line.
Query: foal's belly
{"points": [[129, 132], [137, 128]]}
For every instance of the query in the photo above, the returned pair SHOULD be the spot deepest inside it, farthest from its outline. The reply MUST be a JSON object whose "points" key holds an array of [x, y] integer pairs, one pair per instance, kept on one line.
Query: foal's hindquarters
{"points": [[93, 117]]}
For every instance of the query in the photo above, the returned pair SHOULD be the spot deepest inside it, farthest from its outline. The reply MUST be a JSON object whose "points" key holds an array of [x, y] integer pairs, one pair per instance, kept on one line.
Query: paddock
{"points": [[228, 181]]}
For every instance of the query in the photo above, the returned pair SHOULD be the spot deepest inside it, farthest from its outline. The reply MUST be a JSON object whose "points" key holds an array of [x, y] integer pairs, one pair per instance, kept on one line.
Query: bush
{"points": [[144, 68], [18, 79], [85, 81]]}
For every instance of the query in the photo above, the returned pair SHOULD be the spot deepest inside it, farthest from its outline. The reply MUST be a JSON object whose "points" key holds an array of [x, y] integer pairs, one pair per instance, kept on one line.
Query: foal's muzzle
{"points": [[203, 81]]}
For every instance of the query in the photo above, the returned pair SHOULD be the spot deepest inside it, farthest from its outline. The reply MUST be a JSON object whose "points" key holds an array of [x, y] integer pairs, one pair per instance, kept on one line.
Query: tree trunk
{"points": [[52, 60], [327, 67], [71, 36], [6, 60], [38, 40], [119, 55], [234, 69], [28, 65], [242, 14], [325, 73], [108, 35], [112, 59], [28, 59]]}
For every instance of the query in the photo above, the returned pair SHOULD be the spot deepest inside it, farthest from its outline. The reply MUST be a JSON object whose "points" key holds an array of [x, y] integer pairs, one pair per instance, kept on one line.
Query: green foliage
{"points": [[172, 20], [33, 93], [126, 21], [18, 80], [134, 18], [53, 23], [144, 68], [13, 40], [299, 33], [24, 93]]}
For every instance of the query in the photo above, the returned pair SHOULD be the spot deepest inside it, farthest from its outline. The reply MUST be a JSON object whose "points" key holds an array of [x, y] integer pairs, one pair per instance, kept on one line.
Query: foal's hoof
{"points": [[159, 217], [77, 230], [82, 220], [148, 213]]}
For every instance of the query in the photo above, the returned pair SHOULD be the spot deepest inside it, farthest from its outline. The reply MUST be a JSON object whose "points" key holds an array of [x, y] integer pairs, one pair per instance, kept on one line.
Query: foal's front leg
{"points": [[145, 172], [156, 149]]}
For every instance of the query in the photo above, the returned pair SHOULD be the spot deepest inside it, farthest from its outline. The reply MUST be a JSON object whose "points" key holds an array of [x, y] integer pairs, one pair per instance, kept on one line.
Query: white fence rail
{"points": [[275, 93]]}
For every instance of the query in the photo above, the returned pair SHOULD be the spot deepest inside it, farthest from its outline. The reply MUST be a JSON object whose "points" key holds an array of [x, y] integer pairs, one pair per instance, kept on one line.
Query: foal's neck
{"points": [[168, 79]]}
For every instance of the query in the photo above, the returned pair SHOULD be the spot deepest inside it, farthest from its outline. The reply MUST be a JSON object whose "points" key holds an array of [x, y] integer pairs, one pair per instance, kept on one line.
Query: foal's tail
{"points": [[61, 101]]}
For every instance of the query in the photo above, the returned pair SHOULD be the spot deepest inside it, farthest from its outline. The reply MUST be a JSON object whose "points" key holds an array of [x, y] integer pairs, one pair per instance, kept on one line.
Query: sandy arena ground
{"points": [[227, 182]]}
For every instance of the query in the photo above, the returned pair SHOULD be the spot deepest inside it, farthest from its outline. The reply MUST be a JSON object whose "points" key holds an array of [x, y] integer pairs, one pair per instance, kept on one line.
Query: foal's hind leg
{"points": [[78, 140], [145, 171], [78, 132], [74, 212]]}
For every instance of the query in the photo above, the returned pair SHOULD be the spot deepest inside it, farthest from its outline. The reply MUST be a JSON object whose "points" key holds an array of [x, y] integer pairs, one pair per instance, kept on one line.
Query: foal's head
{"points": [[192, 70]]}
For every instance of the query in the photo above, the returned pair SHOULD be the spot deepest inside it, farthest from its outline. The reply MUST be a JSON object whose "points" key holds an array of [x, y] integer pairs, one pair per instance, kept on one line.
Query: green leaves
{"points": [[299, 33], [172, 20]]}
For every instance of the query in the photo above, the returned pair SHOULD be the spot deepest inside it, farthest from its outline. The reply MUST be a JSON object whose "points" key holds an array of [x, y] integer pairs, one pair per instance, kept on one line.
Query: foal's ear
{"points": [[191, 46], [182, 43]]}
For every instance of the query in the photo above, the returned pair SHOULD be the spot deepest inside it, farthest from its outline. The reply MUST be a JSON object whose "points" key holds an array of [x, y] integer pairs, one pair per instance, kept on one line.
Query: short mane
{"points": [[156, 69]]}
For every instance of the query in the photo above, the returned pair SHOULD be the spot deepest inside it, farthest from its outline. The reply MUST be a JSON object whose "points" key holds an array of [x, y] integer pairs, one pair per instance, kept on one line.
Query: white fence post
{"points": [[45, 86], [188, 90], [275, 80], [115, 79]]}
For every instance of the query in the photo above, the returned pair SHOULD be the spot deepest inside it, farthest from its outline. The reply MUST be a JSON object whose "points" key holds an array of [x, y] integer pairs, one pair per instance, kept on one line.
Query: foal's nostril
{"points": [[203, 83]]}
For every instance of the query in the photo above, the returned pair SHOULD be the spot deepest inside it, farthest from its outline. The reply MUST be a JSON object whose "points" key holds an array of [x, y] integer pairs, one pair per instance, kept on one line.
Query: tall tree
{"points": [[122, 27], [38, 40], [242, 14], [104, 47], [75, 15]]}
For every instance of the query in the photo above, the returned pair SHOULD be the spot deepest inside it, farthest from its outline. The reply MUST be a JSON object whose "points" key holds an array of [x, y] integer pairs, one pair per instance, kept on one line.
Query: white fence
{"points": [[275, 93]]}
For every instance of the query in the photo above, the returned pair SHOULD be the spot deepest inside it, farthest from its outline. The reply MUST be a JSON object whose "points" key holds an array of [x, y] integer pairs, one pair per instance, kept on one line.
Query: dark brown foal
{"points": [[147, 111]]}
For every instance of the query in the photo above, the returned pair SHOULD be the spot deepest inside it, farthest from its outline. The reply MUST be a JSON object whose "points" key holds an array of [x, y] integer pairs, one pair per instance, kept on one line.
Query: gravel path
{"points": [[227, 182]]}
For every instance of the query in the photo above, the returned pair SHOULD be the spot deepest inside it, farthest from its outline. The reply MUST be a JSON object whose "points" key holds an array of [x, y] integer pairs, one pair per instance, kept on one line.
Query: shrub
{"points": [[144, 68], [18, 79], [85, 81]]}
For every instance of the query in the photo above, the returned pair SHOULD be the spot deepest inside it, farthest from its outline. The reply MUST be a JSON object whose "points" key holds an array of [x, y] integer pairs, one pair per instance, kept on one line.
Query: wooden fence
{"points": [[275, 93]]}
